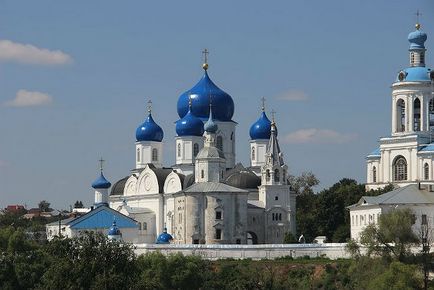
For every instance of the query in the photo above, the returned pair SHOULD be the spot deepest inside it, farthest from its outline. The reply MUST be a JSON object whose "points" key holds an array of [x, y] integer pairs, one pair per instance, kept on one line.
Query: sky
{"points": [[75, 77]]}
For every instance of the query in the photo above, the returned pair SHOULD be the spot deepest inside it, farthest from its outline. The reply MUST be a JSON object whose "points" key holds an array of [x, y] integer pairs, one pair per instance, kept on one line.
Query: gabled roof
{"points": [[213, 187], [409, 194], [102, 217]]}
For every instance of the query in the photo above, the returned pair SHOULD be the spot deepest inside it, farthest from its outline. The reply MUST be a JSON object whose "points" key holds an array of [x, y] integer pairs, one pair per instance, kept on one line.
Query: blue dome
{"points": [[261, 129], [101, 182], [149, 131], [210, 126], [114, 230], [416, 74], [164, 238], [417, 39], [200, 95], [189, 125]]}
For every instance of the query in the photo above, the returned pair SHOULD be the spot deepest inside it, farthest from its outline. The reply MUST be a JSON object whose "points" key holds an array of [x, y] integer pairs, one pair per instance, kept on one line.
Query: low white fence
{"points": [[255, 252]]}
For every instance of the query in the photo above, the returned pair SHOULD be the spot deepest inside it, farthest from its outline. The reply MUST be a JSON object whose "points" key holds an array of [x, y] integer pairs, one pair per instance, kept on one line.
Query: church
{"points": [[206, 197], [405, 158]]}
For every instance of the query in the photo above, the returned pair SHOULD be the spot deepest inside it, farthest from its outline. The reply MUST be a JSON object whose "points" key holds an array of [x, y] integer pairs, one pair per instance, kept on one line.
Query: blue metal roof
{"points": [[200, 97], [149, 131], [417, 40], [261, 129], [189, 125], [427, 148], [375, 153], [416, 74], [102, 218], [101, 182], [164, 238], [210, 126]]}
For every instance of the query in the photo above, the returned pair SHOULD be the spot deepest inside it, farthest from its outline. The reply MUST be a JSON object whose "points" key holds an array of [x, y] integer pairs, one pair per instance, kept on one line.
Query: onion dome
{"points": [[210, 126], [149, 130], [164, 238], [101, 182], [417, 38], [415, 74], [114, 230], [200, 95], [261, 129], [189, 125]]}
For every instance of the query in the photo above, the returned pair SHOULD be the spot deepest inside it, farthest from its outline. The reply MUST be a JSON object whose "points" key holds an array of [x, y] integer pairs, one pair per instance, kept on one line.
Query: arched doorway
{"points": [[252, 238]]}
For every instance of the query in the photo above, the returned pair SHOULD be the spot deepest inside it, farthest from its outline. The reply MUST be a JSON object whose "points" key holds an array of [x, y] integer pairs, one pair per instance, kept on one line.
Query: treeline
{"points": [[325, 213], [93, 262]]}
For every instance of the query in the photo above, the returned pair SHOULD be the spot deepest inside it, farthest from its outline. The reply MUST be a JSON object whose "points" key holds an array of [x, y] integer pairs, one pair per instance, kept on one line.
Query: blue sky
{"points": [[75, 78]]}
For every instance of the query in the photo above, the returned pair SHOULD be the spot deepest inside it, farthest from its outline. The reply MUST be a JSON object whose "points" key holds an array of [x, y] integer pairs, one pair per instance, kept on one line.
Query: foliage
{"points": [[325, 213], [78, 204], [289, 238], [398, 276], [44, 206], [392, 236]]}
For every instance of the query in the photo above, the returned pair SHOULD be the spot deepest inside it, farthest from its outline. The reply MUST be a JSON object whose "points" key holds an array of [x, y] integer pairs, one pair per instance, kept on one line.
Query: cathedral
{"points": [[406, 156], [206, 197]]}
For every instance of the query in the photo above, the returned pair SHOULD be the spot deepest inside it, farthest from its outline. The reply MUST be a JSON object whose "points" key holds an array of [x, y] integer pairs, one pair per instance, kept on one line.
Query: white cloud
{"points": [[29, 54], [25, 98], [318, 136], [293, 95]]}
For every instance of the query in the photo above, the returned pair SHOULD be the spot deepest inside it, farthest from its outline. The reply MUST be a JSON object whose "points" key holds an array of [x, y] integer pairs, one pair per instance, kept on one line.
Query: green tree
{"points": [[289, 238], [44, 206], [398, 276], [78, 204], [393, 236]]}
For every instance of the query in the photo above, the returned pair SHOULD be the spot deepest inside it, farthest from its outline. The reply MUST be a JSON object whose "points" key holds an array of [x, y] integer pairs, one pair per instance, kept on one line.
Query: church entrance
{"points": [[252, 238]]}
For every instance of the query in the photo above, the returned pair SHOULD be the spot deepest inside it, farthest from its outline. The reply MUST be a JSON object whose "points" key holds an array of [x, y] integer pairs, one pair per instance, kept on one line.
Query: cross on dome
{"points": [[101, 162], [149, 106], [205, 53], [263, 104]]}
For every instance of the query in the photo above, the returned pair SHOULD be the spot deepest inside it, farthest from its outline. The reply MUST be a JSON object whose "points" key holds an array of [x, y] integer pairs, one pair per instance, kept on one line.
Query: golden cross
{"points": [[101, 161], [417, 15]]}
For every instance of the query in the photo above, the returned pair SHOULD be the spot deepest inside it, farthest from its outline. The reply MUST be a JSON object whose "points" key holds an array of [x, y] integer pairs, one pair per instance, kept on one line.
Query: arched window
{"points": [[267, 175], [195, 149], [431, 114], [145, 226], [280, 216], [202, 174], [374, 174], [253, 153], [232, 136], [138, 154], [426, 171], [276, 175], [416, 115], [220, 142], [154, 154], [179, 149], [283, 175], [400, 115], [272, 217], [400, 169]]}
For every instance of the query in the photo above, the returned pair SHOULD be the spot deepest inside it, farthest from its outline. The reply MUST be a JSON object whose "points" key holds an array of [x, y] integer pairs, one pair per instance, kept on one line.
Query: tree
{"points": [[397, 276], [78, 204], [304, 183], [44, 206], [289, 238], [393, 236]]}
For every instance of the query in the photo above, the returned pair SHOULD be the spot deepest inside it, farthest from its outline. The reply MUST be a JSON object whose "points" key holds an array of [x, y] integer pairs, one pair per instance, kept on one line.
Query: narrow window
{"points": [[374, 174], [179, 149], [154, 154], [280, 216], [140, 226], [253, 153], [426, 171], [276, 198], [218, 215], [267, 175], [272, 217], [400, 118], [220, 142], [202, 174], [400, 169], [416, 115], [424, 219], [276, 175], [218, 234], [138, 154], [195, 149], [232, 136], [145, 226]]}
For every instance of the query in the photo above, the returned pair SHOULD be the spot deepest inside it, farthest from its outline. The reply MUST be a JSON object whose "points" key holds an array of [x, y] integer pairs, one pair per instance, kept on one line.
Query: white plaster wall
{"points": [[260, 150], [226, 130], [145, 148]]}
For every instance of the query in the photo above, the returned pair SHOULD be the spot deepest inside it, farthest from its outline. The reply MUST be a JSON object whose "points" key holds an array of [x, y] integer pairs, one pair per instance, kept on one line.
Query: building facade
{"points": [[206, 197], [406, 156]]}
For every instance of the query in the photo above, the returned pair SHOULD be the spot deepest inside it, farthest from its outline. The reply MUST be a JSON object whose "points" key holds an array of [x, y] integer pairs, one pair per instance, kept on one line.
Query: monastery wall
{"points": [[255, 252]]}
